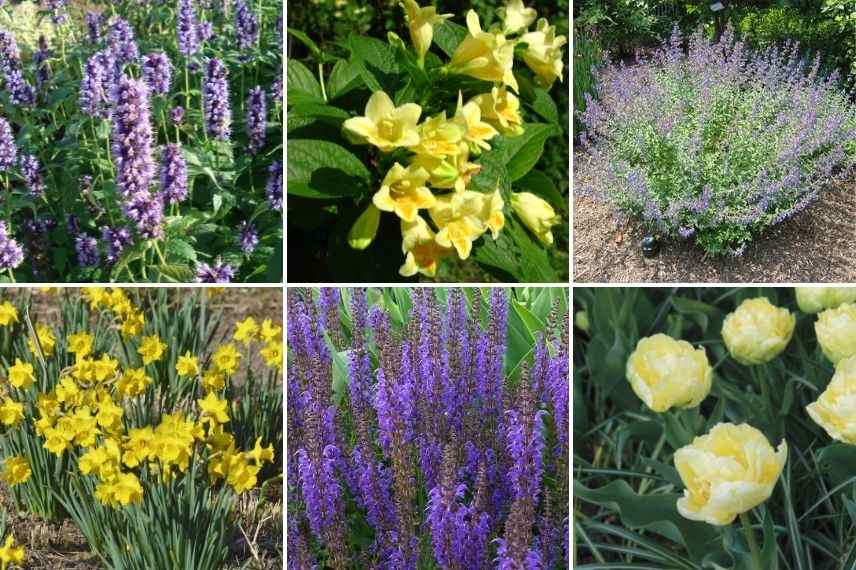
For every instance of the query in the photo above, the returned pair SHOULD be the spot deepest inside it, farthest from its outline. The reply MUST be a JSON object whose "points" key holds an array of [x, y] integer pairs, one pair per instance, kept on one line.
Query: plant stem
{"points": [[750, 539]]}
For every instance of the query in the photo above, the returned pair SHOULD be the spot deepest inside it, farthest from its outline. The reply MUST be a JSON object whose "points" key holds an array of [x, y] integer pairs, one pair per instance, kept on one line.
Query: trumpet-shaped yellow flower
{"points": [[10, 554], [151, 349], [729, 471], [132, 324], [16, 470], [421, 21], [47, 341], [543, 53], [133, 382], [491, 213], [537, 214], [213, 380], [384, 125], [11, 412], [454, 171], [835, 409], [419, 244], [121, 490], [363, 231], [80, 344], [226, 359], [104, 368], [270, 332], [21, 374], [439, 137], [214, 408], [187, 365], [272, 354], [8, 314], [404, 192], [515, 16], [97, 296], [501, 108], [476, 131], [484, 55], [137, 446], [102, 461], [261, 454], [246, 331], [109, 415], [458, 216]]}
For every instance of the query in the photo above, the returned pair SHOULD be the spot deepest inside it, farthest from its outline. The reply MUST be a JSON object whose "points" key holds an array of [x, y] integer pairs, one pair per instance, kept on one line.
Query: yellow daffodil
{"points": [[151, 349], [419, 244], [384, 125], [421, 21], [132, 324], [214, 408], [261, 454], [105, 368], [109, 414], [47, 341], [226, 359], [458, 216], [136, 448], [272, 354], [102, 461], [515, 16], [537, 214], [451, 172], [488, 56], [80, 344], [270, 332], [16, 470], [362, 233], [11, 412], [8, 314], [246, 331], [133, 382], [21, 374], [213, 380], [404, 192], [97, 296], [501, 109], [438, 136], [476, 131], [9, 554], [543, 53], [123, 489], [187, 365]]}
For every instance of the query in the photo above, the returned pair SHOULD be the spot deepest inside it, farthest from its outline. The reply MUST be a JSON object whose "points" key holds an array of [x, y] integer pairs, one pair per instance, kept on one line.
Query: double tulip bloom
{"points": [[757, 331]]}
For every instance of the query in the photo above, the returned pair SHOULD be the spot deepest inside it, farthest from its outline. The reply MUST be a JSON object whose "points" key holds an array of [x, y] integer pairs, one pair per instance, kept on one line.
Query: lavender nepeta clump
{"points": [[248, 237], [187, 31], [87, 250], [217, 273], [215, 97], [273, 188], [157, 72], [431, 386], [173, 174], [31, 170], [131, 137], [115, 241], [256, 119], [11, 254], [121, 42], [8, 150], [716, 142], [246, 25]]}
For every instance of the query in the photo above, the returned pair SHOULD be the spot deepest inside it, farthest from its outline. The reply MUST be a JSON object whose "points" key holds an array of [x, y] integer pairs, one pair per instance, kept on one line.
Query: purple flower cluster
{"points": [[115, 241], [92, 97], [215, 97], [436, 410], [40, 61], [21, 92], [187, 31], [246, 25], [87, 250], [157, 72], [93, 27], [121, 42], [217, 273], [8, 150], [256, 119], [248, 237], [273, 188], [31, 170], [717, 142], [11, 254], [176, 115], [59, 12], [173, 174]]}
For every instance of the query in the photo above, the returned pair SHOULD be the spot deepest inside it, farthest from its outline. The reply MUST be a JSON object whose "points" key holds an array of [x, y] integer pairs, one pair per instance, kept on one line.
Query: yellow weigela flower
{"points": [[421, 21], [246, 331], [491, 213], [454, 171], [756, 332], [729, 471], [515, 16], [836, 332], [16, 470], [666, 373], [458, 216], [21, 374], [536, 214], [47, 341], [439, 137], [488, 56], [404, 192], [543, 53], [419, 244], [80, 344], [816, 299], [151, 349], [187, 365], [9, 554], [8, 314], [501, 108], [362, 233], [476, 131], [384, 125], [835, 409]]}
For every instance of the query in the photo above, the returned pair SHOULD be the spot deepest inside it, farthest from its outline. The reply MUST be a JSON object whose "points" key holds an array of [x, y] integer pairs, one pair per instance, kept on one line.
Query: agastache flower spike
{"points": [[11, 254], [93, 27], [87, 250], [115, 241], [215, 95], [8, 150], [187, 31], [92, 96], [217, 273], [248, 237], [256, 119], [132, 137], [273, 189], [32, 175], [121, 41], [173, 174], [157, 72], [246, 25]]}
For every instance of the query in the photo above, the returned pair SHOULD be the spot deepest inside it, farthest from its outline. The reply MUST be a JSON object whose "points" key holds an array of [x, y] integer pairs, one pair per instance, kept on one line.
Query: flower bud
{"points": [[757, 331], [363, 231], [537, 214], [816, 299]]}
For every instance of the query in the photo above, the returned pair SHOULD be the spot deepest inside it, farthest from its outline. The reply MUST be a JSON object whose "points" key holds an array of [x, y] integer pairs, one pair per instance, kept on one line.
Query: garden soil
{"points": [[816, 246]]}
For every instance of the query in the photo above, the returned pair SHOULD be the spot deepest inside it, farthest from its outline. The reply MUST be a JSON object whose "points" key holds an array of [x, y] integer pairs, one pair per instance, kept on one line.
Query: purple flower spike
{"points": [[187, 28], [157, 72], [11, 254], [93, 27], [59, 13], [114, 242], [173, 175], [176, 115], [92, 97], [273, 189], [87, 250], [246, 25], [206, 31], [217, 273], [121, 41], [248, 237], [215, 96], [32, 175], [132, 137], [8, 150], [256, 119], [40, 61], [146, 211]]}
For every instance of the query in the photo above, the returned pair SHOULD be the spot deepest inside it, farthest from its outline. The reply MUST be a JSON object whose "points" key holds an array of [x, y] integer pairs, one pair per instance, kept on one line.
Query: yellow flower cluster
{"points": [[131, 318], [441, 146], [10, 554]]}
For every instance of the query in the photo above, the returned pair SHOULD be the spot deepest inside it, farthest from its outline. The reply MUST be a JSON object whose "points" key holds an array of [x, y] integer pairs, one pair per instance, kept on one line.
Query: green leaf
{"points": [[377, 64], [544, 105], [541, 185], [448, 35], [344, 78], [301, 86], [307, 41], [321, 169], [522, 152], [173, 273], [180, 249]]}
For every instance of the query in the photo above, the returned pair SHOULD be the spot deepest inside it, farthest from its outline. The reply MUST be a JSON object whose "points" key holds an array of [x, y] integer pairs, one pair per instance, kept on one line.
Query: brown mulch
{"points": [[816, 246]]}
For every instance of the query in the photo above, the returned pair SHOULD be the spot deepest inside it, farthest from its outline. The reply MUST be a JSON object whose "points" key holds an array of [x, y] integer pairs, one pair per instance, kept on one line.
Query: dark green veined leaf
{"points": [[321, 169], [301, 85], [344, 78], [376, 61], [492, 174], [522, 152], [533, 261], [544, 105], [307, 41], [180, 249], [448, 35]]}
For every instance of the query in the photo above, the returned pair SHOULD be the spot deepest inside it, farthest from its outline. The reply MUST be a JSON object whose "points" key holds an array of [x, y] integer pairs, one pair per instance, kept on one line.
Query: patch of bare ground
{"points": [[816, 246]]}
